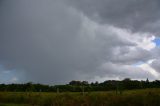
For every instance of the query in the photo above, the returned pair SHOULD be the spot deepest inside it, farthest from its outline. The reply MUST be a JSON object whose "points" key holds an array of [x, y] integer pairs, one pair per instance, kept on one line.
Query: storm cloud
{"points": [[136, 15], [56, 41]]}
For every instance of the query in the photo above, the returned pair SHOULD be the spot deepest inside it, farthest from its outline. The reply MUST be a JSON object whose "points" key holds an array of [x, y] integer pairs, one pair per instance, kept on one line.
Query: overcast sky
{"points": [[56, 41]]}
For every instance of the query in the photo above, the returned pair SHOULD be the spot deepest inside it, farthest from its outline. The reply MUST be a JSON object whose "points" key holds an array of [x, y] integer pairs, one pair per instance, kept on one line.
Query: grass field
{"points": [[11, 104], [146, 97]]}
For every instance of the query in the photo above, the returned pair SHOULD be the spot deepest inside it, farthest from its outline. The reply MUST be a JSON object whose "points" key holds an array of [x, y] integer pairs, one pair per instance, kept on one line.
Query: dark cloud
{"points": [[156, 65], [136, 15], [125, 55], [58, 41], [156, 62]]}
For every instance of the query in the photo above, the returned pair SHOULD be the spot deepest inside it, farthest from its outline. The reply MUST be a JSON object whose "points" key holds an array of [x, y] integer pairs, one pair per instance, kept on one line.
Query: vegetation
{"points": [[79, 86], [145, 97], [81, 93]]}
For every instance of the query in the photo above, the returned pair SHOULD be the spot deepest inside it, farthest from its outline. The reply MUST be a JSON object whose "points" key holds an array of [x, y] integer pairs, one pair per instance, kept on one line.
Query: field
{"points": [[145, 97]]}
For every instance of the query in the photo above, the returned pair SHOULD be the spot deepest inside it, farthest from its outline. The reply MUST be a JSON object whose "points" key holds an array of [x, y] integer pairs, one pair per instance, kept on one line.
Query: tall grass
{"points": [[147, 97]]}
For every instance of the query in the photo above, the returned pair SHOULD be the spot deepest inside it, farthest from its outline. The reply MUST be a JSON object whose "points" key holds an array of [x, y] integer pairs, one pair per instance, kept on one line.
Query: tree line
{"points": [[79, 86]]}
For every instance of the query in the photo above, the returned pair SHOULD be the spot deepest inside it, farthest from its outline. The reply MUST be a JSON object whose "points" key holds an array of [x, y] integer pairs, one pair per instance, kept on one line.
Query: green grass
{"points": [[14, 104], [145, 97]]}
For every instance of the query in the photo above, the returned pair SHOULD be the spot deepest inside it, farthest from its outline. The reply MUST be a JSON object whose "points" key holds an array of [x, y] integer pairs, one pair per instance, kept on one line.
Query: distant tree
{"points": [[96, 83], [127, 84], [127, 79], [85, 83], [29, 86], [83, 86], [147, 80], [75, 82]]}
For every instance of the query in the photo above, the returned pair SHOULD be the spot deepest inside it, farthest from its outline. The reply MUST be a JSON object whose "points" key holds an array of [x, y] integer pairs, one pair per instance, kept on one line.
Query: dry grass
{"points": [[147, 97]]}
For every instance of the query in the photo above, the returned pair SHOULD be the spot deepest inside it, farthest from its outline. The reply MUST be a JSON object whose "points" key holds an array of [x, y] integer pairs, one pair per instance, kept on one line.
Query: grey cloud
{"points": [[156, 65], [135, 15], [126, 55], [38, 38], [52, 42], [121, 71]]}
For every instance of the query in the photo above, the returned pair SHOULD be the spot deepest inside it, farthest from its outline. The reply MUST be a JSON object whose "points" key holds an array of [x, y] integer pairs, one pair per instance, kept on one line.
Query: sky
{"points": [[157, 41], [56, 41]]}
